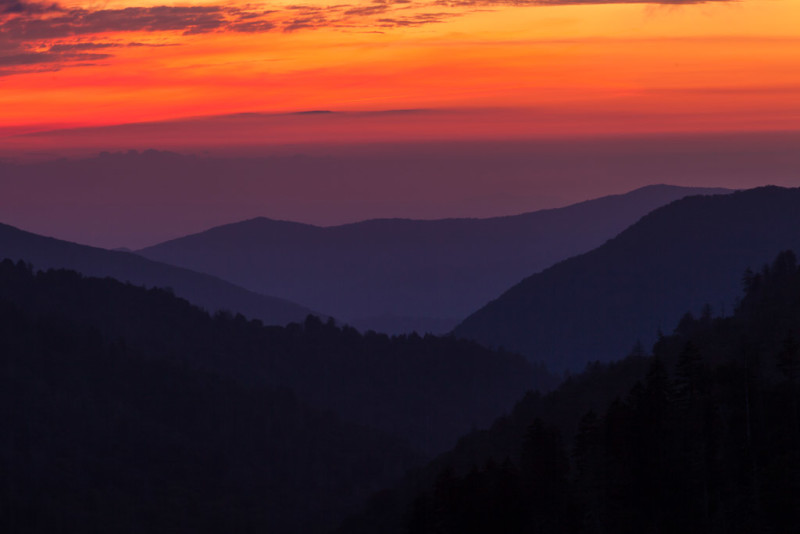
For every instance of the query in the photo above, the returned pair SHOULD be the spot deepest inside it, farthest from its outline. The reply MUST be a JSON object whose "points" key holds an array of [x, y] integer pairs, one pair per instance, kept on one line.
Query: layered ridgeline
{"points": [[104, 433], [201, 289], [425, 390], [682, 256], [703, 436], [397, 275]]}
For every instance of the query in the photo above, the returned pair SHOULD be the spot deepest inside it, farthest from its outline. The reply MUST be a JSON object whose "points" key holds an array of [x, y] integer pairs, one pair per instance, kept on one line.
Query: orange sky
{"points": [[531, 68]]}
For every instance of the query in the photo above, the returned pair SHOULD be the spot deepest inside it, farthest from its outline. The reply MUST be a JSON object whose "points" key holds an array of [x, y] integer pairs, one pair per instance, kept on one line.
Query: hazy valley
{"points": [[252, 413]]}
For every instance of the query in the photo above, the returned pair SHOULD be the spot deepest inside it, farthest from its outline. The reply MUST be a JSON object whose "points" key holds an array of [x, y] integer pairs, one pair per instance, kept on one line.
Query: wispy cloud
{"points": [[543, 3], [77, 22], [18, 7], [37, 36], [57, 56]]}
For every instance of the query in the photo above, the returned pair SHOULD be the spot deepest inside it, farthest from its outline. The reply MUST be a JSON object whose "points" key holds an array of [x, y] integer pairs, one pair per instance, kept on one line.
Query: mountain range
{"points": [[396, 275], [701, 434], [131, 409], [203, 290], [679, 258], [426, 391]]}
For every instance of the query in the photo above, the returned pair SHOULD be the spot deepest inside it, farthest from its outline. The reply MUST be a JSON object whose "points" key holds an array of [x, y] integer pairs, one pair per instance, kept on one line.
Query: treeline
{"points": [[427, 390], [707, 441], [99, 437], [130, 410]]}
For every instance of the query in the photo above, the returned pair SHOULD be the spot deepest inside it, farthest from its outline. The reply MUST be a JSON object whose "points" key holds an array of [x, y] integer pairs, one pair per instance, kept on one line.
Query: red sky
{"points": [[481, 68], [691, 93]]}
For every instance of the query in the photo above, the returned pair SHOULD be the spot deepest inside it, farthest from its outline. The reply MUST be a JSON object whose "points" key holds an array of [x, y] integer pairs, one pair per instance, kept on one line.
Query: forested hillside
{"points": [[426, 390], [706, 440], [101, 434], [203, 290]]}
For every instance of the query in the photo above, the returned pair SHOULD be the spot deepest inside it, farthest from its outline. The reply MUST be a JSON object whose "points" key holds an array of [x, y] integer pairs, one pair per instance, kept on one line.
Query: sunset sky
{"points": [[475, 68], [331, 112]]}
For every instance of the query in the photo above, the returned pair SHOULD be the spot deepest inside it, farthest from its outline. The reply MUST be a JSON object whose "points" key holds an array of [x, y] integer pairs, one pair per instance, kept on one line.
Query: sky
{"points": [[330, 112], [139, 198], [478, 68]]}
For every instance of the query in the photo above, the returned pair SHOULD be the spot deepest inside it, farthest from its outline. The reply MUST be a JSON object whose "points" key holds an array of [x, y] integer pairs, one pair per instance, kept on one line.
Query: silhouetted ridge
{"points": [[701, 436], [425, 390], [426, 273], [201, 289], [683, 255]]}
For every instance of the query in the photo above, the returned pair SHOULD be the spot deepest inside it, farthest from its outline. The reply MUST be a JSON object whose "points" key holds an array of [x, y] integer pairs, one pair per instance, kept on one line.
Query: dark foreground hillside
{"points": [[680, 257], [98, 435], [706, 441], [424, 390]]}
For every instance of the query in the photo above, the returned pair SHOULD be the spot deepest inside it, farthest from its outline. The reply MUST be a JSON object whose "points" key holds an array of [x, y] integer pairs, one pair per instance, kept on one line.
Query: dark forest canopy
{"points": [[702, 436], [427, 390], [130, 410], [99, 435], [203, 290]]}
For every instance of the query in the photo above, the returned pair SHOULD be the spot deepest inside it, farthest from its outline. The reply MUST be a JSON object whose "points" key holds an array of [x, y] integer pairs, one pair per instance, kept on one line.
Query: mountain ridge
{"points": [[699, 435], [595, 292], [442, 269], [201, 289]]}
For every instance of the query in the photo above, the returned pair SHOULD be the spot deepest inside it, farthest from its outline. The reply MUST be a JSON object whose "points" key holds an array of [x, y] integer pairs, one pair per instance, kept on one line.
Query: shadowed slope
{"points": [[201, 289], [682, 256], [702, 436]]}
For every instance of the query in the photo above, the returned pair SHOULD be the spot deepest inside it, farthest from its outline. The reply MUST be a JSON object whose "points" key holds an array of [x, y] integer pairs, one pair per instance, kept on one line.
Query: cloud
{"points": [[48, 56], [76, 22], [80, 46], [415, 20], [47, 33], [37, 36], [57, 56], [18, 7], [543, 3], [22, 58], [252, 26], [374, 9]]}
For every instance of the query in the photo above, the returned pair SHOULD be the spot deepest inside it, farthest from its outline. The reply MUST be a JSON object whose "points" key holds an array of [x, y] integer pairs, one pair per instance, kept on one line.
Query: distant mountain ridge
{"points": [[401, 274], [200, 289], [680, 257]]}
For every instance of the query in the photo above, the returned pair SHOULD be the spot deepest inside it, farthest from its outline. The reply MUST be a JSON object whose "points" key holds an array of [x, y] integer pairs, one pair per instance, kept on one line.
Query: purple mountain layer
{"points": [[203, 290], [397, 275]]}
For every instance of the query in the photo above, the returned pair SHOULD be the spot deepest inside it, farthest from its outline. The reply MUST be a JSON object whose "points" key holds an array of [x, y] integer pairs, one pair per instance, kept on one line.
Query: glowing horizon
{"points": [[639, 67]]}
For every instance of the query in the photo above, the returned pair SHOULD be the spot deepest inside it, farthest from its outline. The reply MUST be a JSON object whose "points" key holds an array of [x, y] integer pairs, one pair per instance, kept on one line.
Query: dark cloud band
{"points": [[36, 33]]}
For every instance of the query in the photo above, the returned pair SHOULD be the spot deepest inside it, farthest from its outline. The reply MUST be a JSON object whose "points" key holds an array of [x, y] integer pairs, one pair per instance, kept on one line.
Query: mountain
{"points": [[103, 433], [426, 391], [201, 289], [701, 436], [399, 274], [682, 256]]}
